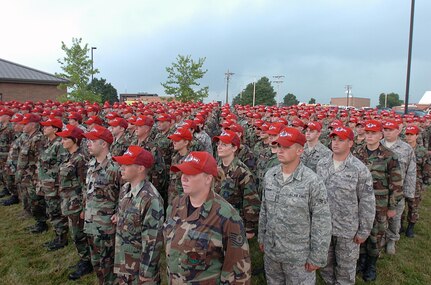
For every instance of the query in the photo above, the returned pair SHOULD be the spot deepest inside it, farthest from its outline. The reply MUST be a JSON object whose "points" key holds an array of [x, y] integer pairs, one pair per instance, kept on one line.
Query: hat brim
{"points": [[283, 142], [91, 136], [176, 138], [123, 160], [63, 134], [186, 168], [341, 136]]}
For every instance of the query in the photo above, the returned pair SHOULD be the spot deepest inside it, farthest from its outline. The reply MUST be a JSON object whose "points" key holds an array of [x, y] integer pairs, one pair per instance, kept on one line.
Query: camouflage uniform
{"points": [[101, 200], [196, 145], [13, 184], [6, 138], [352, 203], [27, 173], [48, 166], [207, 246], [73, 170], [423, 170], [310, 157], [263, 154], [246, 155], [238, 187], [139, 238], [387, 184], [205, 140], [119, 146], [294, 225], [166, 149], [175, 187], [407, 160]]}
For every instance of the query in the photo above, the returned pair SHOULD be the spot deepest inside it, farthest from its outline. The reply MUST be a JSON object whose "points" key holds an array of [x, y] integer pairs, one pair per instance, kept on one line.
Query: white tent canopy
{"points": [[426, 99]]}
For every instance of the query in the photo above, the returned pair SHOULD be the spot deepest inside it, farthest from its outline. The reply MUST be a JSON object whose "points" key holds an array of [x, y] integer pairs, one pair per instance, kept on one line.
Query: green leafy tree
{"points": [[183, 76], [393, 100], [265, 94], [106, 91], [77, 68], [312, 101], [290, 100]]}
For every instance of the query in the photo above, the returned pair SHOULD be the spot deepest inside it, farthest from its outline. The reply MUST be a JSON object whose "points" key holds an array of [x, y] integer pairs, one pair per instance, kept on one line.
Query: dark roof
{"points": [[15, 73]]}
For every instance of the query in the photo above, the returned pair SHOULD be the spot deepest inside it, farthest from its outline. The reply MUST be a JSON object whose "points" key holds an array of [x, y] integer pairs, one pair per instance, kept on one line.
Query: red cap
{"points": [[314, 126], [390, 124], [197, 162], [228, 136], [181, 134], [336, 124], [237, 128], [373, 126], [94, 120], [353, 120], [71, 132], [135, 155], [343, 133], [111, 115], [298, 123], [30, 118], [53, 122], [99, 132], [6, 112], [289, 136], [16, 118], [75, 115], [164, 118], [118, 121], [413, 130], [275, 128], [144, 121]]}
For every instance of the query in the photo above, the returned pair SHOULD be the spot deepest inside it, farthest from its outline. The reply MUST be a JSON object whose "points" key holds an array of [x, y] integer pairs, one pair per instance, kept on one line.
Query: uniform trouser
{"points": [[393, 231], [373, 245], [10, 183], [412, 208], [102, 249], [37, 203], [58, 221], [133, 280], [278, 273], [342, 256], [24, 197], [76, 227]]}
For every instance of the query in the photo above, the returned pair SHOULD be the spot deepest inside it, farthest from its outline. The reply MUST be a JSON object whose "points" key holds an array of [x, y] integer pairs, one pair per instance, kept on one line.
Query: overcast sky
{"points": [[318, 45]]}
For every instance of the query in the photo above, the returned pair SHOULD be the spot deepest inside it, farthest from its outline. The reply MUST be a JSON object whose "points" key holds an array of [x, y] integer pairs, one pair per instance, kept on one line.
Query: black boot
{"points": [[5, 192], [362, 263], [409, 232], [370, 273], [11, 201], [59, 242], [84, 268], [402, 229], [40, 227]]}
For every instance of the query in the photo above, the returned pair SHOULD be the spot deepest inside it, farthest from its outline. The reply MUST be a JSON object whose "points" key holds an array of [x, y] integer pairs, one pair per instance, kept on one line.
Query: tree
{"points": [[393, 100], [106, 91], [290, 100], [265, 94], [312, 101], [77, 68], [183, 75]]}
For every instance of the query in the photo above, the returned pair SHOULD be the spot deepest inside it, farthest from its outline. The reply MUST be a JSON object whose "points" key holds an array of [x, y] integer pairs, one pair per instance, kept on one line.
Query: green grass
{"points": [[23, 259]]}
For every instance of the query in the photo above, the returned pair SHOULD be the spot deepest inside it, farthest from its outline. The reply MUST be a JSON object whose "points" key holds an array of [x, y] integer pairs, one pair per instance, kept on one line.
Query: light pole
{"points": [[409, 60], [278, 80], [92, 69], [228, 75], [348, 90]]}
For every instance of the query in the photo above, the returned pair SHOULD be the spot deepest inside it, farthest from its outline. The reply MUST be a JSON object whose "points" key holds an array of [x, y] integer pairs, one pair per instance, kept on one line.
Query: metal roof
{"points": [[11, 72]]}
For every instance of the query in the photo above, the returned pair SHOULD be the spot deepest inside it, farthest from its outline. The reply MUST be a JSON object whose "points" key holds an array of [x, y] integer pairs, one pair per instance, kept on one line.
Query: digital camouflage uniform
{"points": [[14, 184], [72, 175], [139, 238], [119, 146], [353, 207], [48, 166], [310, 157], [407, 160], [387, 184], [205, 140], [101, 200], [423, 170], [209, 246], [238, 187], [175, 187], [6, 138], [27, 173], [294, 225]]}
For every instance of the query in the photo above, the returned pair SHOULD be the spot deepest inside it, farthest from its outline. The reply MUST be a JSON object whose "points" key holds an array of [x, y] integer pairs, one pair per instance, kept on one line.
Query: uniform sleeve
{"points": [[426, 169], [321, 225], [237, 264], [262, 217], [395, 183], [152, 239], [251, 202], [409, 186], [367, 203]]}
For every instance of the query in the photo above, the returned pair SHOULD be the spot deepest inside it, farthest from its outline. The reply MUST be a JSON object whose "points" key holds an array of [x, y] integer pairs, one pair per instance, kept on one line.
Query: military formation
{"points": [[215, 188]]}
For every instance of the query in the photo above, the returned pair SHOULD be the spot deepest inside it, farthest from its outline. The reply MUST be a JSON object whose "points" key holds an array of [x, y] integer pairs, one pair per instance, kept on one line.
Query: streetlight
{"points": [[278, 81], [409, 59], [228, 75], [92, 69]]}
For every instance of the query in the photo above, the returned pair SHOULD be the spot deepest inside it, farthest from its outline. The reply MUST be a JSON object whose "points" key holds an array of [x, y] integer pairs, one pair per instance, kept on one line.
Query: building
{"points": [[22, 83], [356, 102], [144, 98]]}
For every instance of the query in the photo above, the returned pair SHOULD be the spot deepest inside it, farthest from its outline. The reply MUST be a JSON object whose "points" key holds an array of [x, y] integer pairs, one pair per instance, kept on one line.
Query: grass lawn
{"points": [[24, 261]]}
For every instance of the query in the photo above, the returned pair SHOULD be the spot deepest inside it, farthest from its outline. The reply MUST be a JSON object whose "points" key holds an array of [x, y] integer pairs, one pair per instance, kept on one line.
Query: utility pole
{"points": [[228, 75], [409, 60], [348, 90], [254, 93], [278, 80], [92, 48]]}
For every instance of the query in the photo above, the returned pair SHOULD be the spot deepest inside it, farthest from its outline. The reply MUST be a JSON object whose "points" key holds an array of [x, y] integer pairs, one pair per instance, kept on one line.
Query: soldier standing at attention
{"points": [[387, 184], [407, 160], [295, 221], [73, 171], [118, 129], [204, 235], [49, 162], [6, 138], [101, 200], [139, 220], [352, 203], [314, 150]]}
